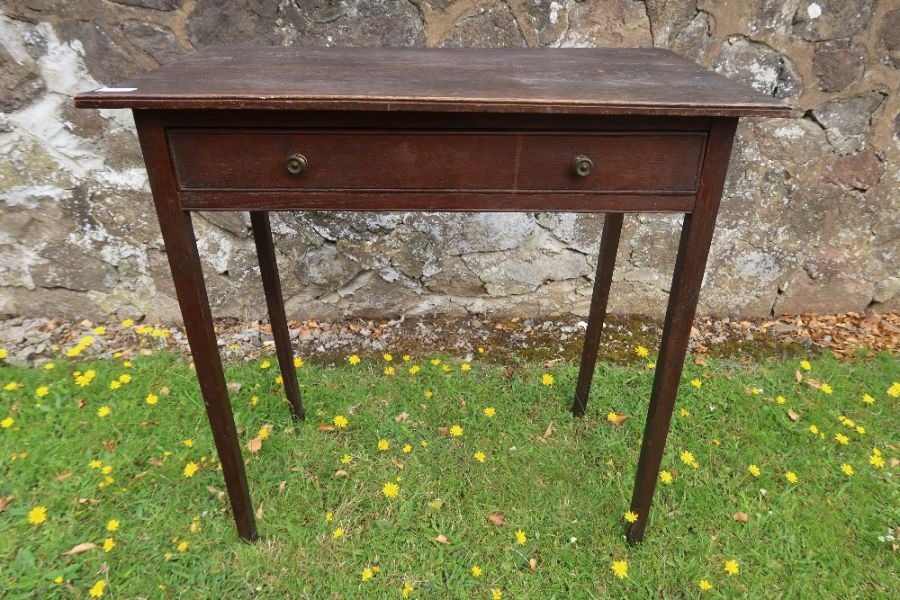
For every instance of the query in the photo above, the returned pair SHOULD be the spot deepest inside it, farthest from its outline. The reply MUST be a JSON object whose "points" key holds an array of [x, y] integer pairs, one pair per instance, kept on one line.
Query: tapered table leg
{"points": [[184, 261], [690, 264], [268, 268], [609, 245]]}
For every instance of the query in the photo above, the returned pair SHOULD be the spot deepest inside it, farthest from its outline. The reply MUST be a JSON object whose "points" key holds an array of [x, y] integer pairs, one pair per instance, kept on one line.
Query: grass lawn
{"points": [[328, 529]]}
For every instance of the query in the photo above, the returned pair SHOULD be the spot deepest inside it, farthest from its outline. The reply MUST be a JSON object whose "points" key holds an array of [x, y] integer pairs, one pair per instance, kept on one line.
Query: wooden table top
{"points": [[590, 81]]}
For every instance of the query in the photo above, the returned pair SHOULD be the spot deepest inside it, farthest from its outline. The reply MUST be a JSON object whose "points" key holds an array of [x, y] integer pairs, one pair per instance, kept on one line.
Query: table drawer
{"points": [[455, 161]]}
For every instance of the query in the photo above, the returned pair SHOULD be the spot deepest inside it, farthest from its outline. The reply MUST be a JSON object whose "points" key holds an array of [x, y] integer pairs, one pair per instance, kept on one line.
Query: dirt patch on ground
{"points": [[33, 341]]}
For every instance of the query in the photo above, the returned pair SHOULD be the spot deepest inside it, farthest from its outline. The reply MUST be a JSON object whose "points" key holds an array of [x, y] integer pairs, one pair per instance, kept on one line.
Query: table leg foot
{"points": [[606, 262], [268, 268]]}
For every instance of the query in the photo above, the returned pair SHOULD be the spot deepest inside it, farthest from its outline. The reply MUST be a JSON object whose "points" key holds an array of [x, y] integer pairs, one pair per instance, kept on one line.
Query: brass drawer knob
{"points": [[582, 166], [297, 163]]}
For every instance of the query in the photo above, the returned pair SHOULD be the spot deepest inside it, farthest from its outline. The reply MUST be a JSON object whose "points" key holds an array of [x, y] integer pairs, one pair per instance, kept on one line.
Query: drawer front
{"points": [[450, 161]]}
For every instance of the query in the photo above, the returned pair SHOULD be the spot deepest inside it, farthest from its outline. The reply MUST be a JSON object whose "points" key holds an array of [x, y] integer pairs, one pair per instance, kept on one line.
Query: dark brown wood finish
{"points": [[690, 264], [268, 268], [184, 261], [606, 262], [626, 81], [435, 130]]}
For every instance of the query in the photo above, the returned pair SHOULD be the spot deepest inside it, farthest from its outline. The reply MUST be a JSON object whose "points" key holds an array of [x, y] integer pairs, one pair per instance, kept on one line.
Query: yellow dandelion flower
{"points": [[704, 585], [465, 367], [620, 568], [476, 571], [665, 477], [428, 393], [390, 490], [414, 369], [7, 422], [496, 594], [125, 378], [298, 362], [791, 477], [37, 515], [254, 400], [407, 448], [340, 421], [696, 383], [684, 412], [642, 352], [58, 580], [406, 590], [780, 399], [265, 364], [841, 439], [826, 388], [49, 366], [152, 399], [345, 459], [108, 544], [353, 359], [3, 353], [424, 443], [387, 357], [456, 431], [367, 574], [406, 358], [115, 384], [814, 430], [128, 323], [754, 470], [96, 590], [103, 411], [190, 469], [847, 469], [479, 456], [112, 525], [42, 391], [490, 411], [95, 464], [732, 567], [383, 445], [435, 361], [521, 538], [106, 470], [12, 386], [804, 364], [894, 390], [188, 443], [547, 379], [877, 461], [182, 546], [263, 433], [651, 365], [390, 371], [631, 517], [337, 533]]}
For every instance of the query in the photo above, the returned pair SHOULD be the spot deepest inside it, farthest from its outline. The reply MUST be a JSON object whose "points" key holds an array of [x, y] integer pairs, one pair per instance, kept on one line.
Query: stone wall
{"points": [[810, 222]]}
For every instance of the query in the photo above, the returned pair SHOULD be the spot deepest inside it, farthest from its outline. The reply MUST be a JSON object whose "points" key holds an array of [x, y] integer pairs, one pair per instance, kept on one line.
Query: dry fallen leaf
{"points": [[444, 430], [699, 360], [88, 501], [497, 518], [793, 416], [798, 376], [63, 476], [401, 417], [141, 475], [532, 564], [547, 432], [740, 516], [254, 445], [155, 462], [83, 547], [619, 418], [324, 427], [397, 463], [259, 511], [341, 473], [5, 501], [164, 391], [281, 485], [442, 539]]}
